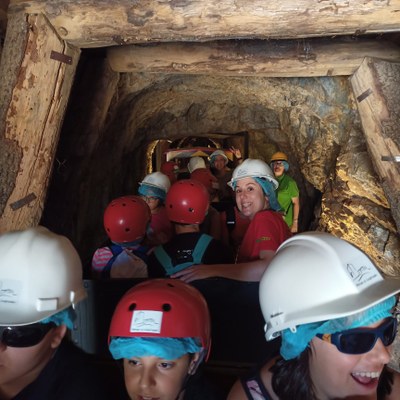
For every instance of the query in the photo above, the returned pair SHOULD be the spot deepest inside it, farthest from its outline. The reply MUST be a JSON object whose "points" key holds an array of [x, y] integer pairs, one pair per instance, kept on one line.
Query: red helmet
{"points": [[187, 202], [126, 219], [171, 169], [171, 308], [204, 176]]}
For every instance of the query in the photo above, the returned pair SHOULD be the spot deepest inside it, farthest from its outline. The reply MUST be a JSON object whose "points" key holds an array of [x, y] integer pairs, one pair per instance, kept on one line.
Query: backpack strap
{"points": [[197, 256], [116, 250]]}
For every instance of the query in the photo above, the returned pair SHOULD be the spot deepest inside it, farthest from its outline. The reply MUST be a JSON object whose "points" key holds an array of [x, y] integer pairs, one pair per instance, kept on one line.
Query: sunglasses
{"points": [[362, 340], [24, 336]]}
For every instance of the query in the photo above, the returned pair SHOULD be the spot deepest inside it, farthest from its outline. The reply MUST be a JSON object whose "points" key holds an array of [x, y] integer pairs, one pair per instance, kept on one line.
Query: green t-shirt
{"points": [[287, 190]]}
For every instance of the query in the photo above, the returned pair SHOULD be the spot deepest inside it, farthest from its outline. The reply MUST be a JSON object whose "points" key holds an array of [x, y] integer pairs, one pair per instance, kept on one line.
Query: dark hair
{"points": [[291, 379]]}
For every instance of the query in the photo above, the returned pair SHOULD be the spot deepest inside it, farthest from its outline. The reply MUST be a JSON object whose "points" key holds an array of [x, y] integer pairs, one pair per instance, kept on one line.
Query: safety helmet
{"points": [[158, 180], [40, 275], [126, 219], [204, 176], [218, 153], [325, 277], [172, 308], [279, 156], [171, 169], [187, 202], [253, 168], [195, 163]]}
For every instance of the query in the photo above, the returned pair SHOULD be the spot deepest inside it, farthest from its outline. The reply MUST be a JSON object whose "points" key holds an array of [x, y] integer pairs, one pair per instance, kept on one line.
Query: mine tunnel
{"points": [[90, 105]]}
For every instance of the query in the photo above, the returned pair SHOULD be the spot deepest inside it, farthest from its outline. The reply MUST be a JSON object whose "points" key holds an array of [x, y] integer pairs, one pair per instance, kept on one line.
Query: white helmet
{"points": [[158, 180], [316, 276], [40, 275], [253, 168], [196, 163], [218, 153]]}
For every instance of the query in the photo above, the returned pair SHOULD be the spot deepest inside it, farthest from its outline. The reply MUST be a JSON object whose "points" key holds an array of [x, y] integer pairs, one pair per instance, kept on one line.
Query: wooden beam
{"points": [[35, 107], [100, 23], [375, 85], [284, 58]]}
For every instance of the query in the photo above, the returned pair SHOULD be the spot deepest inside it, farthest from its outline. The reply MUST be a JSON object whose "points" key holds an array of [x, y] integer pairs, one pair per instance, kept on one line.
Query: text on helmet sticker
{"points": [[362, 272], [10, 290], [146, 321]]}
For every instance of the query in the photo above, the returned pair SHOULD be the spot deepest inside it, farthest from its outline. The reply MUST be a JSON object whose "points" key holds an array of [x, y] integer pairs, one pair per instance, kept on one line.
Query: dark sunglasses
{"points": [[24, 336], [362, 340]]}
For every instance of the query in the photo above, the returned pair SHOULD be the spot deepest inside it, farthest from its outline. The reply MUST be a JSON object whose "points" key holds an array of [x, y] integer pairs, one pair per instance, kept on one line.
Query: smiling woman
{"points": [[337, 327]]}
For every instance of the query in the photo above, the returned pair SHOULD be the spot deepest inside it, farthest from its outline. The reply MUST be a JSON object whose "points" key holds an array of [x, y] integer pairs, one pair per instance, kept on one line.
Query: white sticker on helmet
{"points": [[146, 321]]}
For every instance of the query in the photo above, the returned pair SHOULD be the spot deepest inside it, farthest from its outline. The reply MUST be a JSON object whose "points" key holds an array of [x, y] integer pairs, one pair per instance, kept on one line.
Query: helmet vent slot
{"points": [[132, 306], [166, 307]]}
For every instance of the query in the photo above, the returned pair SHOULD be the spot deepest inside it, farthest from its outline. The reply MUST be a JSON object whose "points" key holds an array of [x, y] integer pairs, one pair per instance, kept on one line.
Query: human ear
{"points": [[57, 335], [194, 364]]}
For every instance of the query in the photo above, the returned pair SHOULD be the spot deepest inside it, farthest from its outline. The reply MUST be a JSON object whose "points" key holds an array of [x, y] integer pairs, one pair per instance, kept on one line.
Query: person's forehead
{"points": [[246, 182]]}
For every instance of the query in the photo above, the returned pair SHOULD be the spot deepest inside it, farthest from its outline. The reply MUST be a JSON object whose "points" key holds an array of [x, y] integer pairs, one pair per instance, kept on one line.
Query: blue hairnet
{"points": [[269, 191], [153, 191], [165, 348], [284, 163], [64, 317], [294, 343]]}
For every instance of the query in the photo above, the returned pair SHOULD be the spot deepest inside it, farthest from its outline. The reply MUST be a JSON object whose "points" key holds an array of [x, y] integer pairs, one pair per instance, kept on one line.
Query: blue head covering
{"points": [[269, 191], [165, 348], [153, 191], [64, 317], [295, 342]]}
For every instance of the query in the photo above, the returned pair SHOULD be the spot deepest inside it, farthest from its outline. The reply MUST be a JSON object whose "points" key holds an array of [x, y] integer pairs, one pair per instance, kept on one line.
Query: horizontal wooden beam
{"points": [[100, 23], [287, 58]]}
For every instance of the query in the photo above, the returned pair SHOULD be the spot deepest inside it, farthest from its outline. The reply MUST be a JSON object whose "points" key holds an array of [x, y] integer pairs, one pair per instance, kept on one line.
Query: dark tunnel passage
{"points": [[116, 124]]}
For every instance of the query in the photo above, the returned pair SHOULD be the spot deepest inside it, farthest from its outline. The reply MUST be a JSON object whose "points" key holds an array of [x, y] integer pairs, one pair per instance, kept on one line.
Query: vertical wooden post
{"points": [[41, 74], [375, 85]]}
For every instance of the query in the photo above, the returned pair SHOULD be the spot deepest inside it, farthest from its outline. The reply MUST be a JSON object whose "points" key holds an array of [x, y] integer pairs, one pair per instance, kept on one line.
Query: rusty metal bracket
{"points": [[23, 202], [54, 55], [391, 158], [364, 95]]}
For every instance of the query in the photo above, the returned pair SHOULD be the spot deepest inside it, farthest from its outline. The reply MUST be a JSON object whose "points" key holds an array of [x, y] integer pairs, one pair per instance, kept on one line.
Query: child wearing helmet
{"points": [[161, 330], [153, 190], [126, 220], [187, 205], [254, 186], [40, 286], [287, 192], [336, 323]]}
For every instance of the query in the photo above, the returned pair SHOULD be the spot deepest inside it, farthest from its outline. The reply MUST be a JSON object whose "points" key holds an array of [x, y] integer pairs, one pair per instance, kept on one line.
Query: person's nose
{"points": [[147, 378], [380, 353]]}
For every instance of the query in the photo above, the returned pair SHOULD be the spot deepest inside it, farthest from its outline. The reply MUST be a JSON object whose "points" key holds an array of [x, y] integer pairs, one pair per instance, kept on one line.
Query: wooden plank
{"points": [[33, 119], [284, 58], [375, 85], [99, 23]]}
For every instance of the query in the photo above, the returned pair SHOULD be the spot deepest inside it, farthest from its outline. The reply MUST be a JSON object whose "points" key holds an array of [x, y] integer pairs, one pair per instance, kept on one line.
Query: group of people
{"points": [[175, 225], [321, 297], [334, 311]]}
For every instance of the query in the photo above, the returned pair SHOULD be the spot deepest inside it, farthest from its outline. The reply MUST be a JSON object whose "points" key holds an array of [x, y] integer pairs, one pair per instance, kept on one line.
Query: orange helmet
{"points": [[126, 219], [170, 308], [187, 202], [279, 156]]}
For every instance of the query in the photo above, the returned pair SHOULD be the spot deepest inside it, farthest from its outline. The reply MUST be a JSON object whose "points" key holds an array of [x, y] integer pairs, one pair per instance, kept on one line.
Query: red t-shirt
{"points": [[266, 231]]}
